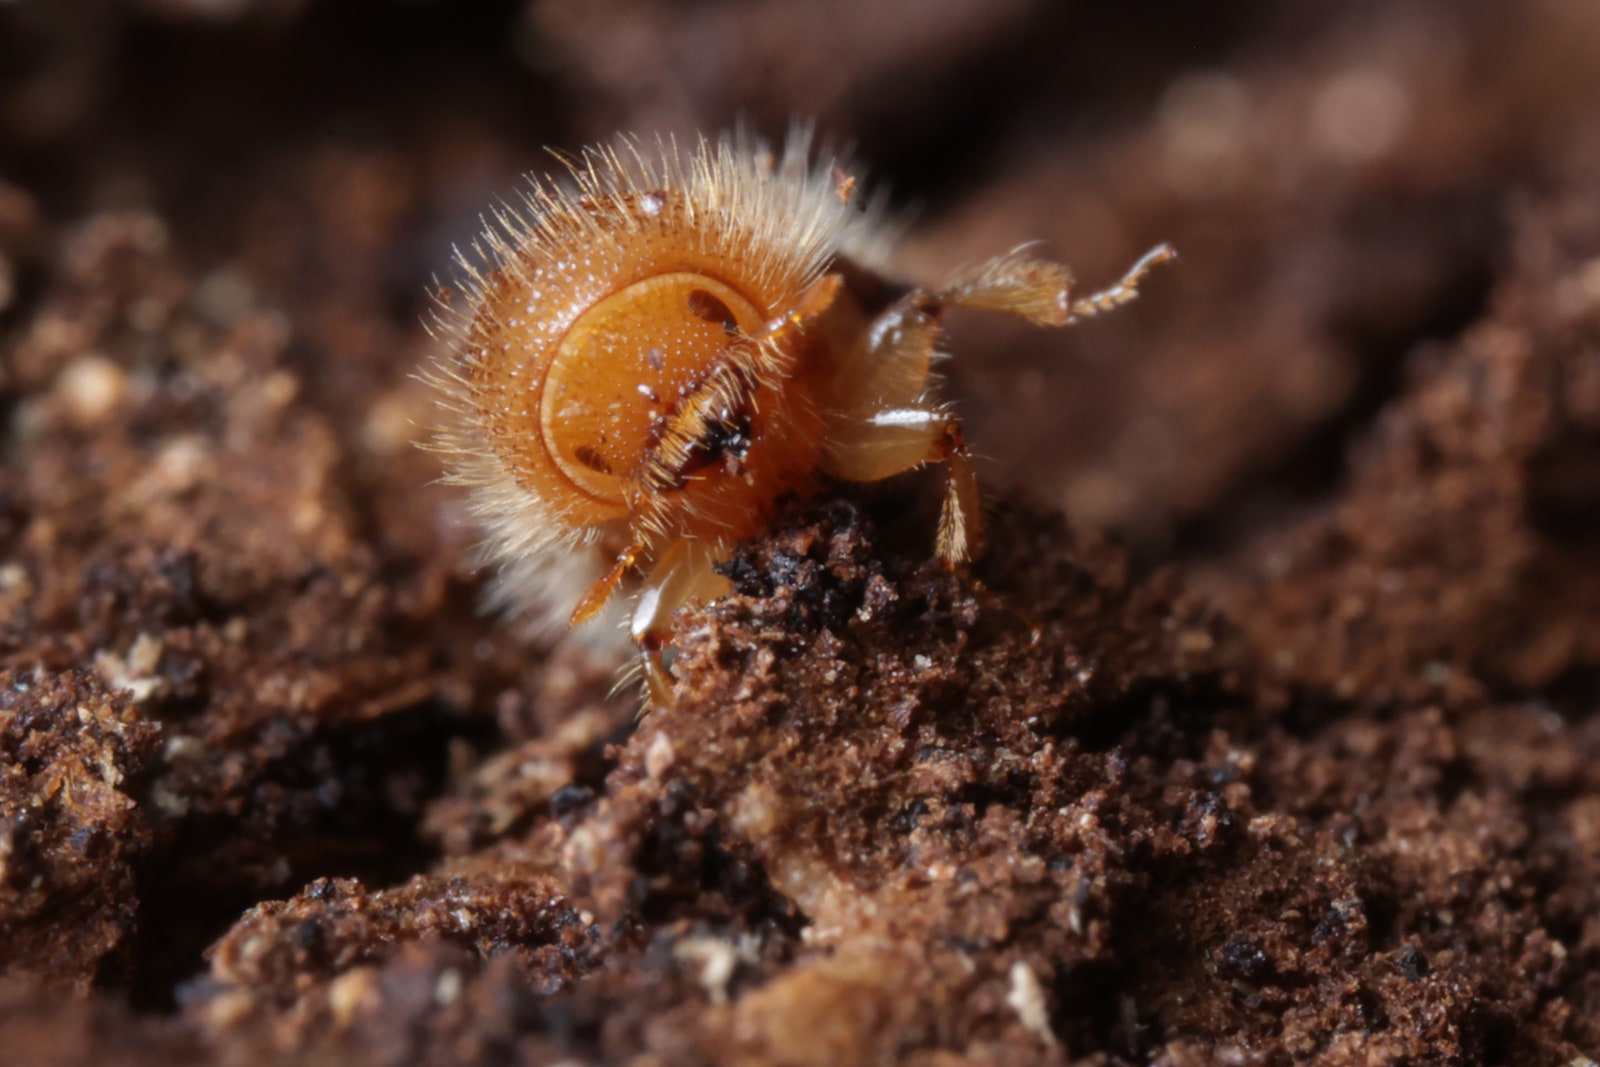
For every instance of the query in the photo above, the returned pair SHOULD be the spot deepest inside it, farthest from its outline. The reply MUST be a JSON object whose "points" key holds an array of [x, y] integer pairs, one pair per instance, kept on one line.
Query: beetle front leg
{"points": [[960, 536], [601, 592], [685, 571], [878, 421], [1041, 291], [887, 442]]}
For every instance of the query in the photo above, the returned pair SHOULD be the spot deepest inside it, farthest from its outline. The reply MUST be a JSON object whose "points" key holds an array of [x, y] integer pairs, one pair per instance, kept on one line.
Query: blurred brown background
{"points": [[1352, 441], [1336, 177]]}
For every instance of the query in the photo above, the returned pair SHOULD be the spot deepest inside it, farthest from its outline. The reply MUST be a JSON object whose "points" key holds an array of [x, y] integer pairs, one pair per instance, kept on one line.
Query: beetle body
{"points": [[655, 353]]}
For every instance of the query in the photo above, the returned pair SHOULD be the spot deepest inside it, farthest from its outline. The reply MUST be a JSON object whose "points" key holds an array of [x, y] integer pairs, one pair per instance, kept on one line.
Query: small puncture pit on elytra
{"points": [[659, 352]]}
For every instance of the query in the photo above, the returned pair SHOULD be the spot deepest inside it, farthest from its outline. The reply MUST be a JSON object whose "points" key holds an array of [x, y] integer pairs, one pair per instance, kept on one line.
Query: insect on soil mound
{"points": [[1262, 732]]}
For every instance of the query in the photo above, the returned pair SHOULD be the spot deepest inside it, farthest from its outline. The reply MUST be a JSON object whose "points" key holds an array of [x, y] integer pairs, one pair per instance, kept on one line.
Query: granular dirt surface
{"points": [[1264, 733]]}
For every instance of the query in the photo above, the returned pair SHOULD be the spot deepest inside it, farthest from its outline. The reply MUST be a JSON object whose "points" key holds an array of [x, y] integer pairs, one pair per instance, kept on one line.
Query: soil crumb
{"points": [[1264, 733]]}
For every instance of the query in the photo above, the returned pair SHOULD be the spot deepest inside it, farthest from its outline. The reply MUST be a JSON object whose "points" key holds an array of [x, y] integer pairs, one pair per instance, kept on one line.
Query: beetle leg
{"points": [[888, 365], [878, 420], [890, 441], [1126, 288], [600, 592], [684, 572], [817, 298], [960, 536], [1041, 291], [1014, 284], [657, 680]]}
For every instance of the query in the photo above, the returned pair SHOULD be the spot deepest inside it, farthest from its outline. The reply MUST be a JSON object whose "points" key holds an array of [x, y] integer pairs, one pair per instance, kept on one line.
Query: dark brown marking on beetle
{"points": [[708, 306], [592, 459]]}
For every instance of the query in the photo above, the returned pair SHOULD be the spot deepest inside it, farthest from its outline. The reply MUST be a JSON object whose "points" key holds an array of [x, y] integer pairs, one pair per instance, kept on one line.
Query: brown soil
{"points": [[1279, 747]]}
